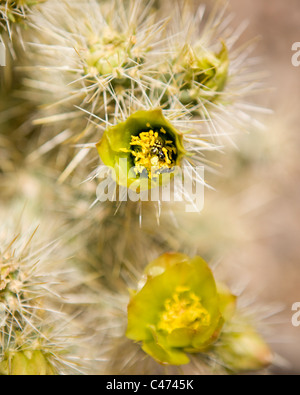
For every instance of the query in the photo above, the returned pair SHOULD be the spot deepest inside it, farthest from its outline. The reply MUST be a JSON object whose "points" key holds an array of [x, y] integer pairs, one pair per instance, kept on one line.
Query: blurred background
{"points": [[260, 181], [273, 254]]}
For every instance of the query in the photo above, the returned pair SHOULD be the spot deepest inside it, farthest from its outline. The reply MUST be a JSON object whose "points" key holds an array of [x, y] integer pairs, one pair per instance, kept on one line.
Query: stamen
{"points": [[152, 152], [183, 310]]}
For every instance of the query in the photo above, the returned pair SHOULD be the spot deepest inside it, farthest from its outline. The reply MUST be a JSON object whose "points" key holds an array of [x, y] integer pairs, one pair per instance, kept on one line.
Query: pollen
{"points": [[151, 151], [183, 310]]}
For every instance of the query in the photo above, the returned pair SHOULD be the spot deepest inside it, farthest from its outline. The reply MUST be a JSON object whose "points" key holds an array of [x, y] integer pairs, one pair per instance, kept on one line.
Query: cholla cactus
{"points": [[31, 327], [180, 319], [210, 73], [200, 93], [118, 78], [201, 75], [92, 75], [92, 58], [15, 11]]}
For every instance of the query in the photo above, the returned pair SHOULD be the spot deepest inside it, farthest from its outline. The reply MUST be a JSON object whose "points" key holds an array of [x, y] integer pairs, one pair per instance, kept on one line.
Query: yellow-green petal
{"points": [[178, 310], [116, 144]]}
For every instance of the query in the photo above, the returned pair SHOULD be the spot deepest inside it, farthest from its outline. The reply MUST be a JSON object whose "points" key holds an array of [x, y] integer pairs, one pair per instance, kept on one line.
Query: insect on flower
{"points": [[150, 145]]}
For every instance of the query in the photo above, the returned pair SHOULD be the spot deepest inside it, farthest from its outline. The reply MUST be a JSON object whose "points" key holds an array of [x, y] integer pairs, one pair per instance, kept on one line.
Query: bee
{"points": [[158, 152], [157, 149]]}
